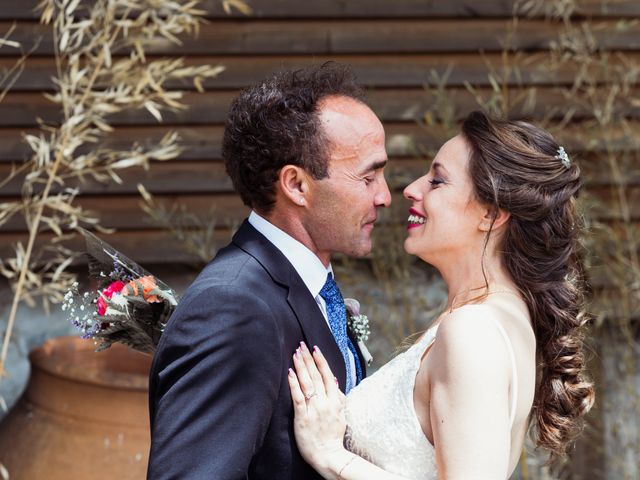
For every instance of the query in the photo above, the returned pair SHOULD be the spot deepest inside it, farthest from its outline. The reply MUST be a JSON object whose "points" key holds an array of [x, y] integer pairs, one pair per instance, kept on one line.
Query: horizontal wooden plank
{"points": [[185, 176], [604, 204], [25, 9], [596, 174], [162, 177], [199, 142], [178, 268], [351, 37], [197, 177], [402, 139], [148, 247], [134, 244], [23, 109], [529, 102], [124, 212], [379, 71], [410, 8]]}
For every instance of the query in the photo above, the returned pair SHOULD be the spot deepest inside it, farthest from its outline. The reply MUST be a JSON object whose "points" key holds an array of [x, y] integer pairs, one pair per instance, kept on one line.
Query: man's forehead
{"points": [[342, 117], [339, 103]]}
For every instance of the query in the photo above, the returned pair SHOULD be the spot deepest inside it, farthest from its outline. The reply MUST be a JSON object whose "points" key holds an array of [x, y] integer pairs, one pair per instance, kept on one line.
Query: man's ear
{"points": [[294, 184], [488, 223]]}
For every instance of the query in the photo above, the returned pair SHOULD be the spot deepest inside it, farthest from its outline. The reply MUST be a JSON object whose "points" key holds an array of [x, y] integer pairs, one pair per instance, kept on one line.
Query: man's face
{"points": [[343, 206]]}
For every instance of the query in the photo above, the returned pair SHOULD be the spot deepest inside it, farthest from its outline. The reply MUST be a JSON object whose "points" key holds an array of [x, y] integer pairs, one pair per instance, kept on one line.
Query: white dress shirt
{"points": [[311, 270]]}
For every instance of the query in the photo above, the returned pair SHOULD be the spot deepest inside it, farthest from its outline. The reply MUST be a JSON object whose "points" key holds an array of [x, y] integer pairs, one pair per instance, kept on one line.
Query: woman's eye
{"points": [[436, 181]]}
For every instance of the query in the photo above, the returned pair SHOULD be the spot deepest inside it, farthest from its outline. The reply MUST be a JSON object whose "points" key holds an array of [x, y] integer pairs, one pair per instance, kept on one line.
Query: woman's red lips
{"points": [[413, 211], [416, 219]]}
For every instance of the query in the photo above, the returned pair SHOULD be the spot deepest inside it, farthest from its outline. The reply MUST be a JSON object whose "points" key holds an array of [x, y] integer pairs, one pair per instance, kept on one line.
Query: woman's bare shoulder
{"points": [[468, 321], [469, 336]]}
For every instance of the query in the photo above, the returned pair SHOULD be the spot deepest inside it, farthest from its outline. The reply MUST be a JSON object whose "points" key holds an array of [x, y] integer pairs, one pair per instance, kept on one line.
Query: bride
{"points": [[495, 214]]}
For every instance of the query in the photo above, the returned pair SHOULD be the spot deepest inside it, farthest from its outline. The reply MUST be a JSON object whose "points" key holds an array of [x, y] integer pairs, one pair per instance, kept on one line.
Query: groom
{"points": [[307, 156]]}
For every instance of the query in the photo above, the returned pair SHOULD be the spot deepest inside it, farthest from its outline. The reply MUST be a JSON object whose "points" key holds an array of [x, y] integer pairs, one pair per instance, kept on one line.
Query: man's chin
{"points": [[363, 248]]}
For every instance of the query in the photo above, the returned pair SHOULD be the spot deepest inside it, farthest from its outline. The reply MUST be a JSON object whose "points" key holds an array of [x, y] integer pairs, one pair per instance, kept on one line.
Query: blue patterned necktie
{"points": [[337, 316]]}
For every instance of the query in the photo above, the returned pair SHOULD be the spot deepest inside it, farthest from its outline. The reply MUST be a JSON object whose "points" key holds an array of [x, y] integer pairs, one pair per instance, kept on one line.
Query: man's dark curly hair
{"points": [[276, 123]]}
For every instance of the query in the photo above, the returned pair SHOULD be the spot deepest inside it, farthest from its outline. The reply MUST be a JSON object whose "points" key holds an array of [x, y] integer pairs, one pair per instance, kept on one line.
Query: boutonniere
{"points": [[358, 325]]}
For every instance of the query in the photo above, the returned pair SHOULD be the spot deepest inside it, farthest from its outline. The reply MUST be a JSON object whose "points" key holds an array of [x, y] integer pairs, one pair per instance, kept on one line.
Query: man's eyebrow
{"points": [[375, 166]]}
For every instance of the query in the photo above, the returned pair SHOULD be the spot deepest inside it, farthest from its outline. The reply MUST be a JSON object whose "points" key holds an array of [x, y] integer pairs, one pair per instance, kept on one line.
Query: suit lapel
{"points": [[315, 327], [313, 324]]}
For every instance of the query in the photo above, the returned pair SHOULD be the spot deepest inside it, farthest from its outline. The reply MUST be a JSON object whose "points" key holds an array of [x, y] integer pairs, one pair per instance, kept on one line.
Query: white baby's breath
{"points": [[358, 325]]}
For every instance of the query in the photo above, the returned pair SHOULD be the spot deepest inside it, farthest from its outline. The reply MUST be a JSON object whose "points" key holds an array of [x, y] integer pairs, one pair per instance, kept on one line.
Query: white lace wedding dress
{"points": [[382, 425]]}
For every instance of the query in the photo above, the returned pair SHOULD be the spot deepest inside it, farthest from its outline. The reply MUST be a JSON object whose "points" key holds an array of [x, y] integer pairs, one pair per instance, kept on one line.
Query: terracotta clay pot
{"points": [[84, 415]]}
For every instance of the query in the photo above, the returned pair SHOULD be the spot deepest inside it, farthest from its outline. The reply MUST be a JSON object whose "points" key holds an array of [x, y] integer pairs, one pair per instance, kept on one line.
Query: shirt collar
{"points": [[304, 261]]}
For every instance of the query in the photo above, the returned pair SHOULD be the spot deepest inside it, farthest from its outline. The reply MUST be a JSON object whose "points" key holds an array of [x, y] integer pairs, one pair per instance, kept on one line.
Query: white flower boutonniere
{"points": [[358, 325]]}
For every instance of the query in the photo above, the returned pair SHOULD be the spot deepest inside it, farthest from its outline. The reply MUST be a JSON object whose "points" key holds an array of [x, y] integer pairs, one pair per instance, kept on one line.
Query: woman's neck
{"points": [[467, 282]]}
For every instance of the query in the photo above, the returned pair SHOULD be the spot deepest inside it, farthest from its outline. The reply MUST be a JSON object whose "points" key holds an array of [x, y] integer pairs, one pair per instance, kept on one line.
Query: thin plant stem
{"points": [[14, 174], [35, 225]]}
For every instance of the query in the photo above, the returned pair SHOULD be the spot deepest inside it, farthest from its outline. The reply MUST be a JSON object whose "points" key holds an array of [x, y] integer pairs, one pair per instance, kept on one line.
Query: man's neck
{"points": [[294, 228]]}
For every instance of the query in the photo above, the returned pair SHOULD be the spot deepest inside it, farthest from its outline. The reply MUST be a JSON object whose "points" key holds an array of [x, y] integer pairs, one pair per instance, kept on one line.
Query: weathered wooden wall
{"points": [[393, 46]]}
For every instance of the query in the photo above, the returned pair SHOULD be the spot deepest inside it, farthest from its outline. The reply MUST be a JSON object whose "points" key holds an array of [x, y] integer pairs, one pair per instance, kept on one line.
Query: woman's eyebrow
{"points": [[438, 166]]}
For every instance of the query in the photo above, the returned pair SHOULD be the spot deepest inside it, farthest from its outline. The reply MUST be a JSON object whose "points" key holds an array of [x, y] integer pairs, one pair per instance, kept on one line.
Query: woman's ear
{"points": [[493, 219], [294, 184]]}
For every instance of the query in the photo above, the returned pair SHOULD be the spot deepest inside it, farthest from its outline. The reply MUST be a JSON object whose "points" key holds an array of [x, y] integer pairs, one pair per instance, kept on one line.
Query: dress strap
{"points": [[428, 338], [514, 376]]}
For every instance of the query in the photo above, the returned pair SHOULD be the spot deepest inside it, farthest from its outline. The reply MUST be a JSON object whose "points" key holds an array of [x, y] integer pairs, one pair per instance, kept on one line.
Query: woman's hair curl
{"points": [[516, 167]]}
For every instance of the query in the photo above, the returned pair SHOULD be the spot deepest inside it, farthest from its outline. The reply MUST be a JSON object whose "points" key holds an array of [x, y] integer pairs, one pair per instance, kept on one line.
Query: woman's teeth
{"points": [[417, 219]]}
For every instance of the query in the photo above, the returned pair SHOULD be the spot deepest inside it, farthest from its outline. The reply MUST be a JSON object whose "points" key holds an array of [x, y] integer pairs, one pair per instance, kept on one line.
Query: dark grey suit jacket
{"points": [[218, 394]]}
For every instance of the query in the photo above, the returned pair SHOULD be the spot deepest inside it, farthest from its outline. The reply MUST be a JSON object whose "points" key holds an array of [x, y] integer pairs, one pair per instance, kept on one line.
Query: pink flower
{"points": [[110, 291], [353, 306]]}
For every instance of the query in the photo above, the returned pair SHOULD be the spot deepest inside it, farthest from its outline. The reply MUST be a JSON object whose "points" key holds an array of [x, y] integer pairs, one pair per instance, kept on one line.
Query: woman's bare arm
{"points": [[470, 374]]}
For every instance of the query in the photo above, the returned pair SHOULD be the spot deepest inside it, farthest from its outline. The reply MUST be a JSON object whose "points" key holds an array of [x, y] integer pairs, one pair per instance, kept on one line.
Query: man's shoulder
{"points": [[230, 262], [233, 282], [232, 267]]}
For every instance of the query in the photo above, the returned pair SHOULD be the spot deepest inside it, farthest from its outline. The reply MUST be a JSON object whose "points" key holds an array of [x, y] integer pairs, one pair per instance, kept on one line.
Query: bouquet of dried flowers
{"points": [[129, 306]]}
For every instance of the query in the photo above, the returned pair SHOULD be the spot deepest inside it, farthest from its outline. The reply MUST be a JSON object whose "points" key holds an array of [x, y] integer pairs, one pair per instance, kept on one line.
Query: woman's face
{"points": [[445, 218]]}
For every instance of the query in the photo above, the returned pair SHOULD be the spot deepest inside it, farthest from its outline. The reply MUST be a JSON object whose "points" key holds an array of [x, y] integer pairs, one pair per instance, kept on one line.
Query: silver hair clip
{"points": [[563, 157]]}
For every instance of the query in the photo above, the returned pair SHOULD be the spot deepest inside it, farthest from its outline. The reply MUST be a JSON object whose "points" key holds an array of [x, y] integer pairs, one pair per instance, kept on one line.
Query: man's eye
{"points": [[368, 180]]}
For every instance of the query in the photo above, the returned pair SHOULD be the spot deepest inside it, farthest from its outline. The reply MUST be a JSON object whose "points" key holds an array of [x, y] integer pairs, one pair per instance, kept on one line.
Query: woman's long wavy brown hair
{"points": [[514, 166]]}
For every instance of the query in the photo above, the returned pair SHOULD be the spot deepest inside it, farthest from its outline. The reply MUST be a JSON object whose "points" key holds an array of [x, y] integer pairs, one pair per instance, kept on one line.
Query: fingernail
{"points": [[316, 349], [334, 378], [298, 352], [303, 346], [291, 372]]}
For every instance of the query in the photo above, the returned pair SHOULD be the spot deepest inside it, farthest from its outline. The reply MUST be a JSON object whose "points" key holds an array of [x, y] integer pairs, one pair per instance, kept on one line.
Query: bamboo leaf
{"points": [[152, 108]]}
